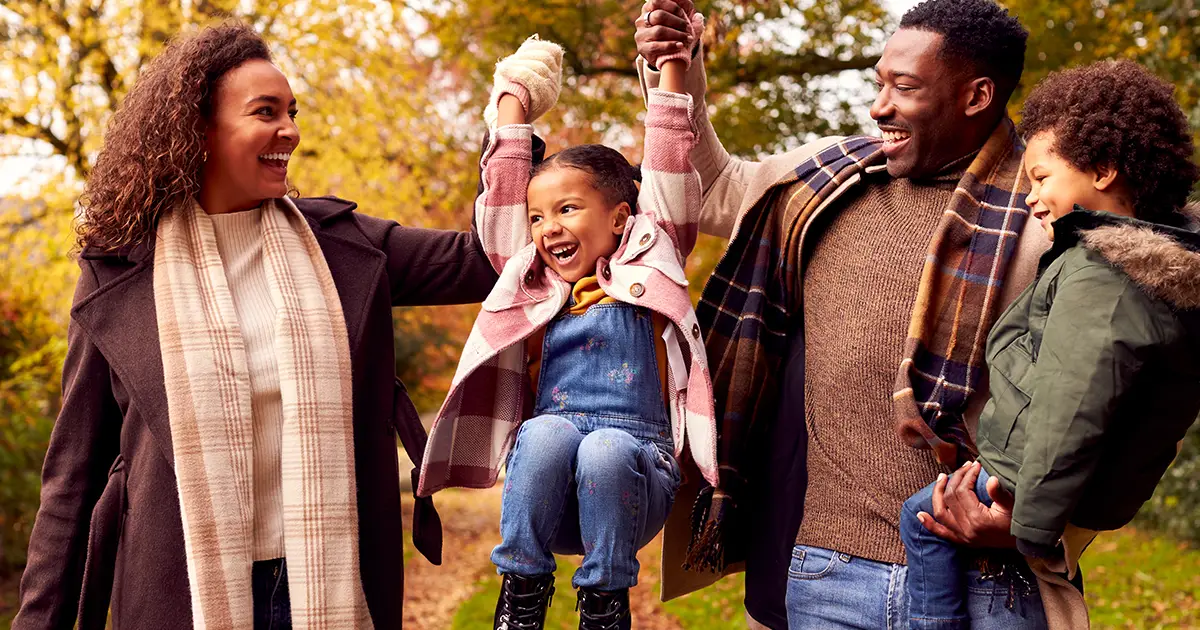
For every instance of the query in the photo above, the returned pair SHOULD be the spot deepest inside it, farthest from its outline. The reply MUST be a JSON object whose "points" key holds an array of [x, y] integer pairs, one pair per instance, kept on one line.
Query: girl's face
{"points": [[572, 223], [249, 139], [1057, 185]]}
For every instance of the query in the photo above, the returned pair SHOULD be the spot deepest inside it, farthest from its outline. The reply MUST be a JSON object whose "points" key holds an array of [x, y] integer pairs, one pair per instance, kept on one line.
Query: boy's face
{"points": [[572, 223], [1057, 185]]}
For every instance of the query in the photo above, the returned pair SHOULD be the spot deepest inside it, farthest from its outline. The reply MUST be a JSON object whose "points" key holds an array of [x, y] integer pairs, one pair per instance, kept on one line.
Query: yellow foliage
{"points": [[1160, 35]]}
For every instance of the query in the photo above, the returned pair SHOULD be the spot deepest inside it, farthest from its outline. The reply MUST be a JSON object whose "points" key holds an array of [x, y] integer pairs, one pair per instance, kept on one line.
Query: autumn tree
{"points": [[1163, 35], [773, 65]]}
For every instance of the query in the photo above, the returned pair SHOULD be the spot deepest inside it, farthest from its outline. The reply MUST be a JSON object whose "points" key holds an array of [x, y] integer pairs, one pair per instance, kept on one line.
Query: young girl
{"points": [[1095, 368], [587, 353]]}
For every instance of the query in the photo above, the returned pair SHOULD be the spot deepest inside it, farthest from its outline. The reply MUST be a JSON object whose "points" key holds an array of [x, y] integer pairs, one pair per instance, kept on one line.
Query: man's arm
{"points": [[723, 179]]}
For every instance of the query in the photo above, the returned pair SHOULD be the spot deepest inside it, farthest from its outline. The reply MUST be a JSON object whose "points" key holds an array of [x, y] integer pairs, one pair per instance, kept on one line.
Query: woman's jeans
{"points": [[573, 490], [937, 575], [272, 604]]}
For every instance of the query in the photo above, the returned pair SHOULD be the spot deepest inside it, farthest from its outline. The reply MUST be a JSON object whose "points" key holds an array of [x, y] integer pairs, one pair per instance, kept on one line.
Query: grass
{"points": [[1133, 580], [477, 611], [718, 606]]}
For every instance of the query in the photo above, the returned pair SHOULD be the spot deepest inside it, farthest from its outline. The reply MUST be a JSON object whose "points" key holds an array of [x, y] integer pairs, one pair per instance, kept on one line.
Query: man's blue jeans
{"points": [[828, 589], [573, 489]]}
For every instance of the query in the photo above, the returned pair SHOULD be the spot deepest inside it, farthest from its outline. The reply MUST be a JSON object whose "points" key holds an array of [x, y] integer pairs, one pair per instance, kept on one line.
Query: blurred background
{"points": [[390, 96]]}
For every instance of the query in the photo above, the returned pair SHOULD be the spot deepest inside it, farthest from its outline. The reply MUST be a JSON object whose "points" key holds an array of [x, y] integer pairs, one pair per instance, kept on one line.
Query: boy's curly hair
{"points": [[154, 145], [1118, 114]]}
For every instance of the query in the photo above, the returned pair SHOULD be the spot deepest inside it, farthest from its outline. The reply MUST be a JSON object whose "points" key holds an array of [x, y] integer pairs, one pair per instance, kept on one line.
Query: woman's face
{"points": [[249, 139]]}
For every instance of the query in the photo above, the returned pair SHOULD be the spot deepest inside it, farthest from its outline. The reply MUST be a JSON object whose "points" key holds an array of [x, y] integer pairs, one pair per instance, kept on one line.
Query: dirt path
{"points": [[470, 522], [648, 613], [432, 594]]}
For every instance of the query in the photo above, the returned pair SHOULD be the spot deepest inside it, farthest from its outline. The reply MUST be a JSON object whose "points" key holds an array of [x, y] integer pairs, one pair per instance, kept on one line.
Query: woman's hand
{"points": [[960, 517], [533, 75]]}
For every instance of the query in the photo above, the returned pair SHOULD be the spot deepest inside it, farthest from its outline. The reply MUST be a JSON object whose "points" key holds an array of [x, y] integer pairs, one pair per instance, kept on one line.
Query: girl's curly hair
{"points": [[609, 171], [154, 146], [1118, 114]]}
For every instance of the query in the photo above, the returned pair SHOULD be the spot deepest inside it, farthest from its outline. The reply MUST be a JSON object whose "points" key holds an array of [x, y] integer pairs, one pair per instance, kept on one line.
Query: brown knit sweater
{"points": [[860, 284]]}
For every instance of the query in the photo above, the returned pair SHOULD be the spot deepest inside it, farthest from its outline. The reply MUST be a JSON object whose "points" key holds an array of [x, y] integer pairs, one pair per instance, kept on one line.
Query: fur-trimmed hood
{"points": [[1163, 260]]}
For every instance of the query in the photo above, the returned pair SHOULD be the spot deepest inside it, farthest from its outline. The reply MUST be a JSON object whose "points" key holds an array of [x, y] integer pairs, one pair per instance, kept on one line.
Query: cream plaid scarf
{"points": [[208, 397]]}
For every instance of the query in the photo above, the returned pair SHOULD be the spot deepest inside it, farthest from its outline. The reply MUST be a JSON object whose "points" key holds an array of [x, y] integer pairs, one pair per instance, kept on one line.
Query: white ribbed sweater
{"points": [[239, 240]]}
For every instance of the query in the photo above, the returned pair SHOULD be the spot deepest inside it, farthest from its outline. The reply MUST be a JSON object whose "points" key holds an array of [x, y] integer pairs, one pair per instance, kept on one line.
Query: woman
{"points": [[225, 454]]}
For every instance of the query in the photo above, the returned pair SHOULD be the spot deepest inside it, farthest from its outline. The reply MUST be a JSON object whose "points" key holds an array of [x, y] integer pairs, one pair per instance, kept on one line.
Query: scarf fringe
{"points": [[710, 514]]}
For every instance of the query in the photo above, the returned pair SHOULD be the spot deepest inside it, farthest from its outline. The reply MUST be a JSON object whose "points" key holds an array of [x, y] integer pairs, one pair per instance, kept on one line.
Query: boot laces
{"points": [[609, 619], [521, 611]]}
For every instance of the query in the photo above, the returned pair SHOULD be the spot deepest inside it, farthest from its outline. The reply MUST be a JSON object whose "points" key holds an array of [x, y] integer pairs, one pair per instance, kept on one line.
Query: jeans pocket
{"points": [[664, 460], [814, 563]]}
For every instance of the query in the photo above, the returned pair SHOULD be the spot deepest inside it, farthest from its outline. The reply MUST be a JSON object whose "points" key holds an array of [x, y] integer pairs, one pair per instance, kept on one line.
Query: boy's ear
{"points": [[1104, 177], [620, 217]]}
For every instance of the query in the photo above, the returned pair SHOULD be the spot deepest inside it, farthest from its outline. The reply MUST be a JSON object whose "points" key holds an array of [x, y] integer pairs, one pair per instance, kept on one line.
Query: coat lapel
{"points": [[356, 271], [121, 319]]}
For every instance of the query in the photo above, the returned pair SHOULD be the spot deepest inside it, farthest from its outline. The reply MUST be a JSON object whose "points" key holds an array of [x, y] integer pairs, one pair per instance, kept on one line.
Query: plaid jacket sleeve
{"points": [[500, 208], [670, 186]]}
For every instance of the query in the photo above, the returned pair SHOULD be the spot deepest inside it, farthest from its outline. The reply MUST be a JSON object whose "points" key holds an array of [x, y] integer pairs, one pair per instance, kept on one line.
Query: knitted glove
{"points": [[697, 29], [533, 74]]}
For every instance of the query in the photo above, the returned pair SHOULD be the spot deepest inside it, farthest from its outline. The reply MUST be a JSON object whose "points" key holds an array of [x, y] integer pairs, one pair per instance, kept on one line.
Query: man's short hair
{"points": [[980, 32]]}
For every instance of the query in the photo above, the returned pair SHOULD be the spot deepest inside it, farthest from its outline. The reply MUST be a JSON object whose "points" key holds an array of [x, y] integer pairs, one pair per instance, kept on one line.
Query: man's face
{"points": [[920, 106]]}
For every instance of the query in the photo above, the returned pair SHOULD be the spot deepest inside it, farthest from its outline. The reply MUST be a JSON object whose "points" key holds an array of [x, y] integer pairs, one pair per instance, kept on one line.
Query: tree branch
{"points": [[753, 69], [588, 71], [759, 68], [27, 129], [30, 220]]}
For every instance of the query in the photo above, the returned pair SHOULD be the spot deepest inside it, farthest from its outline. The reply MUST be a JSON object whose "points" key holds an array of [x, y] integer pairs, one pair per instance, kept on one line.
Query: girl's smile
{"points": [[572, 223]]}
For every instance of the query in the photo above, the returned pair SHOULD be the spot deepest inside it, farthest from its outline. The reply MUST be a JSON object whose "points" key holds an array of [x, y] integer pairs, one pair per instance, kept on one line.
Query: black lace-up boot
{"points": [[523, 602], [603, 610]]}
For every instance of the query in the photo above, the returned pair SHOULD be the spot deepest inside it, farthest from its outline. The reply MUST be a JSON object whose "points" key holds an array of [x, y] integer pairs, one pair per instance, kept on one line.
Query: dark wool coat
{"points": [[109, 523], [1095, 375]]}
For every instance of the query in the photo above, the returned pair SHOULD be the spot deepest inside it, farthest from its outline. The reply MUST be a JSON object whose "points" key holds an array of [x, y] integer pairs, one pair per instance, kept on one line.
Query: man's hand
{"points": [[662, 28], [960, 517]]}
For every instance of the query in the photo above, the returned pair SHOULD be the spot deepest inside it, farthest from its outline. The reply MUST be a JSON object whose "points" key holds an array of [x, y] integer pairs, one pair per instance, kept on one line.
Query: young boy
{"points": [[1095, 368]]}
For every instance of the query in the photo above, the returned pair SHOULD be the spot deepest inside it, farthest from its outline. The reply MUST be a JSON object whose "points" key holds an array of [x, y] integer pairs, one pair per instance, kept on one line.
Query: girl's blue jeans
{"points": [[574, 487]]}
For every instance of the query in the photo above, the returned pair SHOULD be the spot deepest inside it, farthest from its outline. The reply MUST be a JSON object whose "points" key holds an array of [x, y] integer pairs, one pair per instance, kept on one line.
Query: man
{"points": [[846, 325]]}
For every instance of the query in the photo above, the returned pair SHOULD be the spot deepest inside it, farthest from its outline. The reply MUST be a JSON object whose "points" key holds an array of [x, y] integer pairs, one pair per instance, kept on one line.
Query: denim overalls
{"points": [[592, 472]]}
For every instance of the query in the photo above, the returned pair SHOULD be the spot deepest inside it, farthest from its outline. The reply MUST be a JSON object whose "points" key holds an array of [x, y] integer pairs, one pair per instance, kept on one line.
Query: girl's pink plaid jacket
{"points": [[488, 398]]}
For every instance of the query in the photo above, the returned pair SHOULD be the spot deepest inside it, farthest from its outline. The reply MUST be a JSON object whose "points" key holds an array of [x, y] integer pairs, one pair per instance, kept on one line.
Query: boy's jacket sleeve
{"points": [[1094, 342]]}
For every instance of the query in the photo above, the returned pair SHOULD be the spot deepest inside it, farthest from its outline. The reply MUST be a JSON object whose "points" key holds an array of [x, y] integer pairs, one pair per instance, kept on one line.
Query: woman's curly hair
{"points": [[1118, 114], [154, 146]]}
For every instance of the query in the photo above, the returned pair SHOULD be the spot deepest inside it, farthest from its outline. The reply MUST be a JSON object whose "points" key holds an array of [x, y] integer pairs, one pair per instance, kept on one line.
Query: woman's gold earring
{"points": [[204, 157]]}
